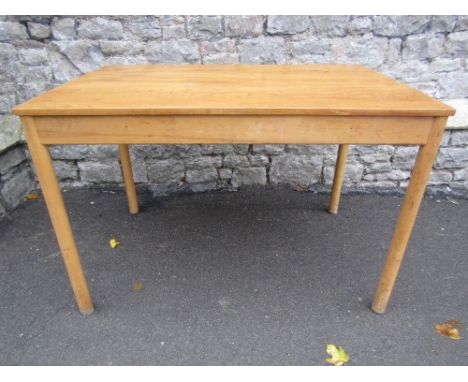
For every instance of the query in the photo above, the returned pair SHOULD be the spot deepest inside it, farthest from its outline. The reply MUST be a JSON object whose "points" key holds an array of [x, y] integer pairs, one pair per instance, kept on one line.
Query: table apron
{"points": [[229, 129]]}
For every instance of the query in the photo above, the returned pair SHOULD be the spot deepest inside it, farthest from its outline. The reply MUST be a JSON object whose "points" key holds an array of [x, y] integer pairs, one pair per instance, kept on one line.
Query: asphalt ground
{"points": [[262, 276]]}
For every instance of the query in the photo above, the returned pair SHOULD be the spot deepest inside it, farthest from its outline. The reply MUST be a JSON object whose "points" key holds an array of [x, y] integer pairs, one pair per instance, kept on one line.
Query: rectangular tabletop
{"points": [[321, 90]]}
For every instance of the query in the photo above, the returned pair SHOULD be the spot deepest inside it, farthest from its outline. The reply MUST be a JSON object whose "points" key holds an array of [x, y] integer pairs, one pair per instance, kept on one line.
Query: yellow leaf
{"points": [[338, 355], [137, 286], [298, 189], [114, 243], [449, 329], [32, 196]]}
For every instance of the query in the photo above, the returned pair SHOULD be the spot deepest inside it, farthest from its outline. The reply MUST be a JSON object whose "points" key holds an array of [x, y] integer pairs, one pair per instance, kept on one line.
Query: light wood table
{"points": [[233, 104]]}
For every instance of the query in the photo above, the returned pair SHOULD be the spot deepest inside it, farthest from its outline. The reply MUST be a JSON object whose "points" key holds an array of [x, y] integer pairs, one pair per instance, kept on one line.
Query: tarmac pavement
{"points": [[262, 276]]}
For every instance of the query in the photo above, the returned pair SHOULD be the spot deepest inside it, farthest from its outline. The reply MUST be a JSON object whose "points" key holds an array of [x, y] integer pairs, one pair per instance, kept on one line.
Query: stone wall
{"points": [[37, 53]]}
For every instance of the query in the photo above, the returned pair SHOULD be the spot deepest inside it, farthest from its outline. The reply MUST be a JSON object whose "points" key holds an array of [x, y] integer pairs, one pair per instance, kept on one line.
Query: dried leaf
{"points": [[338, 355], [137, 286], [449, 329], [298, 189], [32, 196], [114, 243]]}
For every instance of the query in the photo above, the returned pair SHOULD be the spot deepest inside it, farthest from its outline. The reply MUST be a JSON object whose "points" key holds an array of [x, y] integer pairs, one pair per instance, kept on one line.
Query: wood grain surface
{"points": [[234, 89]]}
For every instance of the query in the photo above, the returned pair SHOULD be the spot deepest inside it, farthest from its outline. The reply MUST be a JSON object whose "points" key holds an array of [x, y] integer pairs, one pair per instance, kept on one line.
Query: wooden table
{"points": [[233, 104]]}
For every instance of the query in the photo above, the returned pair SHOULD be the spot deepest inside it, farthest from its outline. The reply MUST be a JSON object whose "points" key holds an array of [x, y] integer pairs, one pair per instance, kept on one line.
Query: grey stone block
{"points": [[445, 138], [34, 81], [85, 55], [17, 186], [360, 25], [293, 169], [205, 27], [240, 149], [12, 31], [378, 167], [247, 176], [219, 52], [173, 52], [310, 48], [125, 60], [453, 84], [371, 149], [457, 44], [312, 149], [329, 26], [268, 149], [66, 170], [174, 32], [258, 160], [441, 23], [353, 173], [170, 20], [10, 131], [90, 152], [459, 138], [226, 45], [439, 177], [409, 71], [204, 175], [7, 102], [221, 58], [452, 157], [165, 172], [100, 28], [393, 53], [440, 64], [203, 162], [34, 56], [64, 29], [8, 60], [423, 46], [100, 172], [244, 26], [263, 50], [11, 158], [62, 68], [405, 157], [144, 27], [39, 31], [365, 50], [233, 160], [394, 26], [460, 175], [111, 48], [287, 25], [384, 176], [462, 23], [382, 184], [225, 173], [217, 149], [352, 176], [190, 151]]}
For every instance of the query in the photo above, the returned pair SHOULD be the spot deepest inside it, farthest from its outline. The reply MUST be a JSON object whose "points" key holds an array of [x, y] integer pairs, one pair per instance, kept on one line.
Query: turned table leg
{"points": [[409, 210], [128, 179], [59, 216], [338, 178]]}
